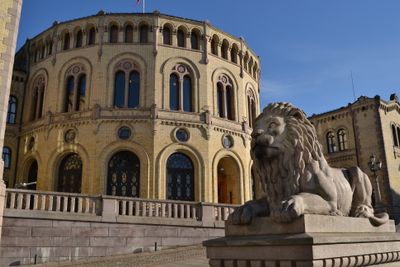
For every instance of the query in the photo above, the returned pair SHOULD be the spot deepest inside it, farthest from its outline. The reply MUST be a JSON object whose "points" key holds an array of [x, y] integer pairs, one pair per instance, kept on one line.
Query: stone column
{"points": [[10, 11]]}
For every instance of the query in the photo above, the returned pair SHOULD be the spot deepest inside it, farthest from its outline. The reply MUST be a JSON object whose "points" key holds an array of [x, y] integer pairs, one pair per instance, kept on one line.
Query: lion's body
{"points": [[295, 176]]}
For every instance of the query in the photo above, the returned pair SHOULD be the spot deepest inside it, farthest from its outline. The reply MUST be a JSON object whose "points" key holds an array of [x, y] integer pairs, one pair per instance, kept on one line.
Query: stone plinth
{"points": [[311, 240]]}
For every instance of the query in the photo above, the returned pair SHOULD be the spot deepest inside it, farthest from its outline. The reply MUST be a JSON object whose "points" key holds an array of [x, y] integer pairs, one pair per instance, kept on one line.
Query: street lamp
{"points": [[375, 165]]}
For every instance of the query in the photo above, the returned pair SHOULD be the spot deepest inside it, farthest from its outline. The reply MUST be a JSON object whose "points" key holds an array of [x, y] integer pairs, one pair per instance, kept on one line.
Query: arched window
{"points": [[79, 37], [255, 71], [342, 139], [330, 141], [250, 69], [42, 53], [114, 34], [123, 178], [214, 45], [224, 49], [167, 35], [70, 174], [119, 89], [251, 110], [129, 34], [134, 87], [398, 134], [50, 48], [92, 36], [37, 98], [127, 85], [75, 88], [180, 38], [181, 89], [143, 33], [173, 92], [80, 98], [225, 98], [66, 41], [194, 40], [12, 110], [180, 177], [234, 53], [32, 175], [7, 157], [395, 137], [245, 61]]}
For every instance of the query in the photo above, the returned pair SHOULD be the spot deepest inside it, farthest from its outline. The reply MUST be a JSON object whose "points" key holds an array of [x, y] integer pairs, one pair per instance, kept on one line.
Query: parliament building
{"points": [[136, 105]]}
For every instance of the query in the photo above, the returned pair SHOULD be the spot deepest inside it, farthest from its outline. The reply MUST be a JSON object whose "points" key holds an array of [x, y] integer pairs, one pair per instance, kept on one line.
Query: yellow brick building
{"points": [[351, 134], [143, 105]]}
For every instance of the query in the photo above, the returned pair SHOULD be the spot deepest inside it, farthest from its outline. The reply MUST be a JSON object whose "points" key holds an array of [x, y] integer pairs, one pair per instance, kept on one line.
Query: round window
{"points": [[124, 133], [31, 143], [69, 136], [182, 135], [227, 141]]}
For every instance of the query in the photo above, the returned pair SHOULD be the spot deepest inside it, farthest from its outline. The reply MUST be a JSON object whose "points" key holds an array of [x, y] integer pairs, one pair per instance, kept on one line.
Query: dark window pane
{"points": [[187, 94], [143, 31], [180, 177], [34, 103], [66, 41], [92, 36], [7, 157], [70, 174], [41, 99], [173, 92], [220, 100], [194, 40], [181, 38], [395, 140], [32, 176], [12, 110], [134, 89], [69, 91], [114, 34], [79, 36], [119, 89], [229, 103], [81, 91], [167, 36], [129, 34]]}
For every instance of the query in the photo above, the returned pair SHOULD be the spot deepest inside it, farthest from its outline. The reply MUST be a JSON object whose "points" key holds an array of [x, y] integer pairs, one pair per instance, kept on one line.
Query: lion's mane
{"points": [[281, 177]]}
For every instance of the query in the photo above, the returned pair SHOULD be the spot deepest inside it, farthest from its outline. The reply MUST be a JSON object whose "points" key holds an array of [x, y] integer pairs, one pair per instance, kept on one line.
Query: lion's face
{"points": [[268, 137]]}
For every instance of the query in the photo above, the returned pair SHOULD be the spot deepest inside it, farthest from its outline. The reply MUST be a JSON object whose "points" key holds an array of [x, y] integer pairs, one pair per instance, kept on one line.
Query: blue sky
{"points": [[308, 48]]}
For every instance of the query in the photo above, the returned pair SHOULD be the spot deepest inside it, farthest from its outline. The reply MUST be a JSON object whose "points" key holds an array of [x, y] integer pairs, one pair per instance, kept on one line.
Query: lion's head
{"points": [[283, 142]]}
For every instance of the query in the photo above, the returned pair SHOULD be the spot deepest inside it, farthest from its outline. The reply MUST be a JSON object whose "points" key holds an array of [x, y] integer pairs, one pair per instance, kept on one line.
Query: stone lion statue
{"points": [[295, 176]]}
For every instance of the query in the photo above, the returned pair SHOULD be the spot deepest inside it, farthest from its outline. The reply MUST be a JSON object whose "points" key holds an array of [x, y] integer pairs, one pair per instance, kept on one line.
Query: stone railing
{"points": [[39, 204]]}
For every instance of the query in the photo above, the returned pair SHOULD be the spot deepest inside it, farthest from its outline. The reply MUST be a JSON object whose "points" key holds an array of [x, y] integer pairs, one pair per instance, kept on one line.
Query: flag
{"points": [[138, 2]]}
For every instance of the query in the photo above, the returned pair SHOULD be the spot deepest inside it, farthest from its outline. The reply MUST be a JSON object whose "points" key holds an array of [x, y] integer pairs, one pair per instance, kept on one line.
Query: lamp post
{"points": [[375, 165]]}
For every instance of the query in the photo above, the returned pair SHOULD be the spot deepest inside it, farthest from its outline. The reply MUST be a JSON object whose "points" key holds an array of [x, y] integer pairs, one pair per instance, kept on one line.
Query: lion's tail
{"points": [[366, 211], [379, 219]]}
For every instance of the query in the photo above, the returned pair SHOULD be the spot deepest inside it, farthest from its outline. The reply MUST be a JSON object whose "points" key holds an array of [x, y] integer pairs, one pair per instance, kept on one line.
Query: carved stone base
{"points": [[312, 240]]}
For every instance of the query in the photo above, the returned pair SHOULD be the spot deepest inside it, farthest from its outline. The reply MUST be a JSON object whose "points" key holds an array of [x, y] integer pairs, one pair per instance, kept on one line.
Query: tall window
{"points": [[7, 157], [214, 45], [395, 137], [225, 98], [143, 33], [114, 34], [32, 175], [37, 97], [79, 37], [342, 139], [330, 141], [180, 177], [194, 40], [49, 47], [70, 174], [129, 34], [181, 89], [12, 110], [234, 53], [251, 110], [67, 40], [75, 88], [224, 49], [167, 35], [92, 36], [126, 85], [246, 61], [123, 178], [181, 38]]}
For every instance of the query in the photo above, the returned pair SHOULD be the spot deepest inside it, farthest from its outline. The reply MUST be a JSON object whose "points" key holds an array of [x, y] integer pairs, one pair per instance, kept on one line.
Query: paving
{"points": [[191, 256]]}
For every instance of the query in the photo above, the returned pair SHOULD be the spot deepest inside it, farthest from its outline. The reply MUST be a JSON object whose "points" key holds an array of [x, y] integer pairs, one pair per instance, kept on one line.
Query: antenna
{"points": [[352, 83]]}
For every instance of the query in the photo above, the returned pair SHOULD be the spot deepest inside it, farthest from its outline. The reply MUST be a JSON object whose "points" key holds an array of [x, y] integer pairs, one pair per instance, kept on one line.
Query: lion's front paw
{"points": [[242, 215], [290, 209]]}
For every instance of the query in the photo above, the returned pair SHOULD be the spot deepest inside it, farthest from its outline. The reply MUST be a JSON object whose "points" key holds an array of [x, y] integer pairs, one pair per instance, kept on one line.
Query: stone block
{"points": [[162, 232], [50, 252], [70, 241], [90, 231], [97, 251], [16, 231], [107, 241], [53, 231], [25, 241], [142, 241], [12, 252], [195, 232], [132, 231], [181, 241], [70, 224], [27, 222]]}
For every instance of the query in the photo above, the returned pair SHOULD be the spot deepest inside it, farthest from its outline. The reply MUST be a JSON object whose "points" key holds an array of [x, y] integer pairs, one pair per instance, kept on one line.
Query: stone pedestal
{"points": [[311, 240]]}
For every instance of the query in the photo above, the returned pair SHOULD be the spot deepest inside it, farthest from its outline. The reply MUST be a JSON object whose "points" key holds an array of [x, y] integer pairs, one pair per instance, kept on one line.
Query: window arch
{"points": [[234, 53], [67, 40], [224, 49], [92, 36], [166, 35], [7, 157], [225, 98], [123, 177], [395, 136], [113, 34], [342, 139], [180, 37], [214, 45], [70, 174], [194, 40], [181, 89], [128, 34], [127, 85], [38, 97], [180, 177], [144, 33], [12, 110], [75, 88], [330, 141], [78, 39]]}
